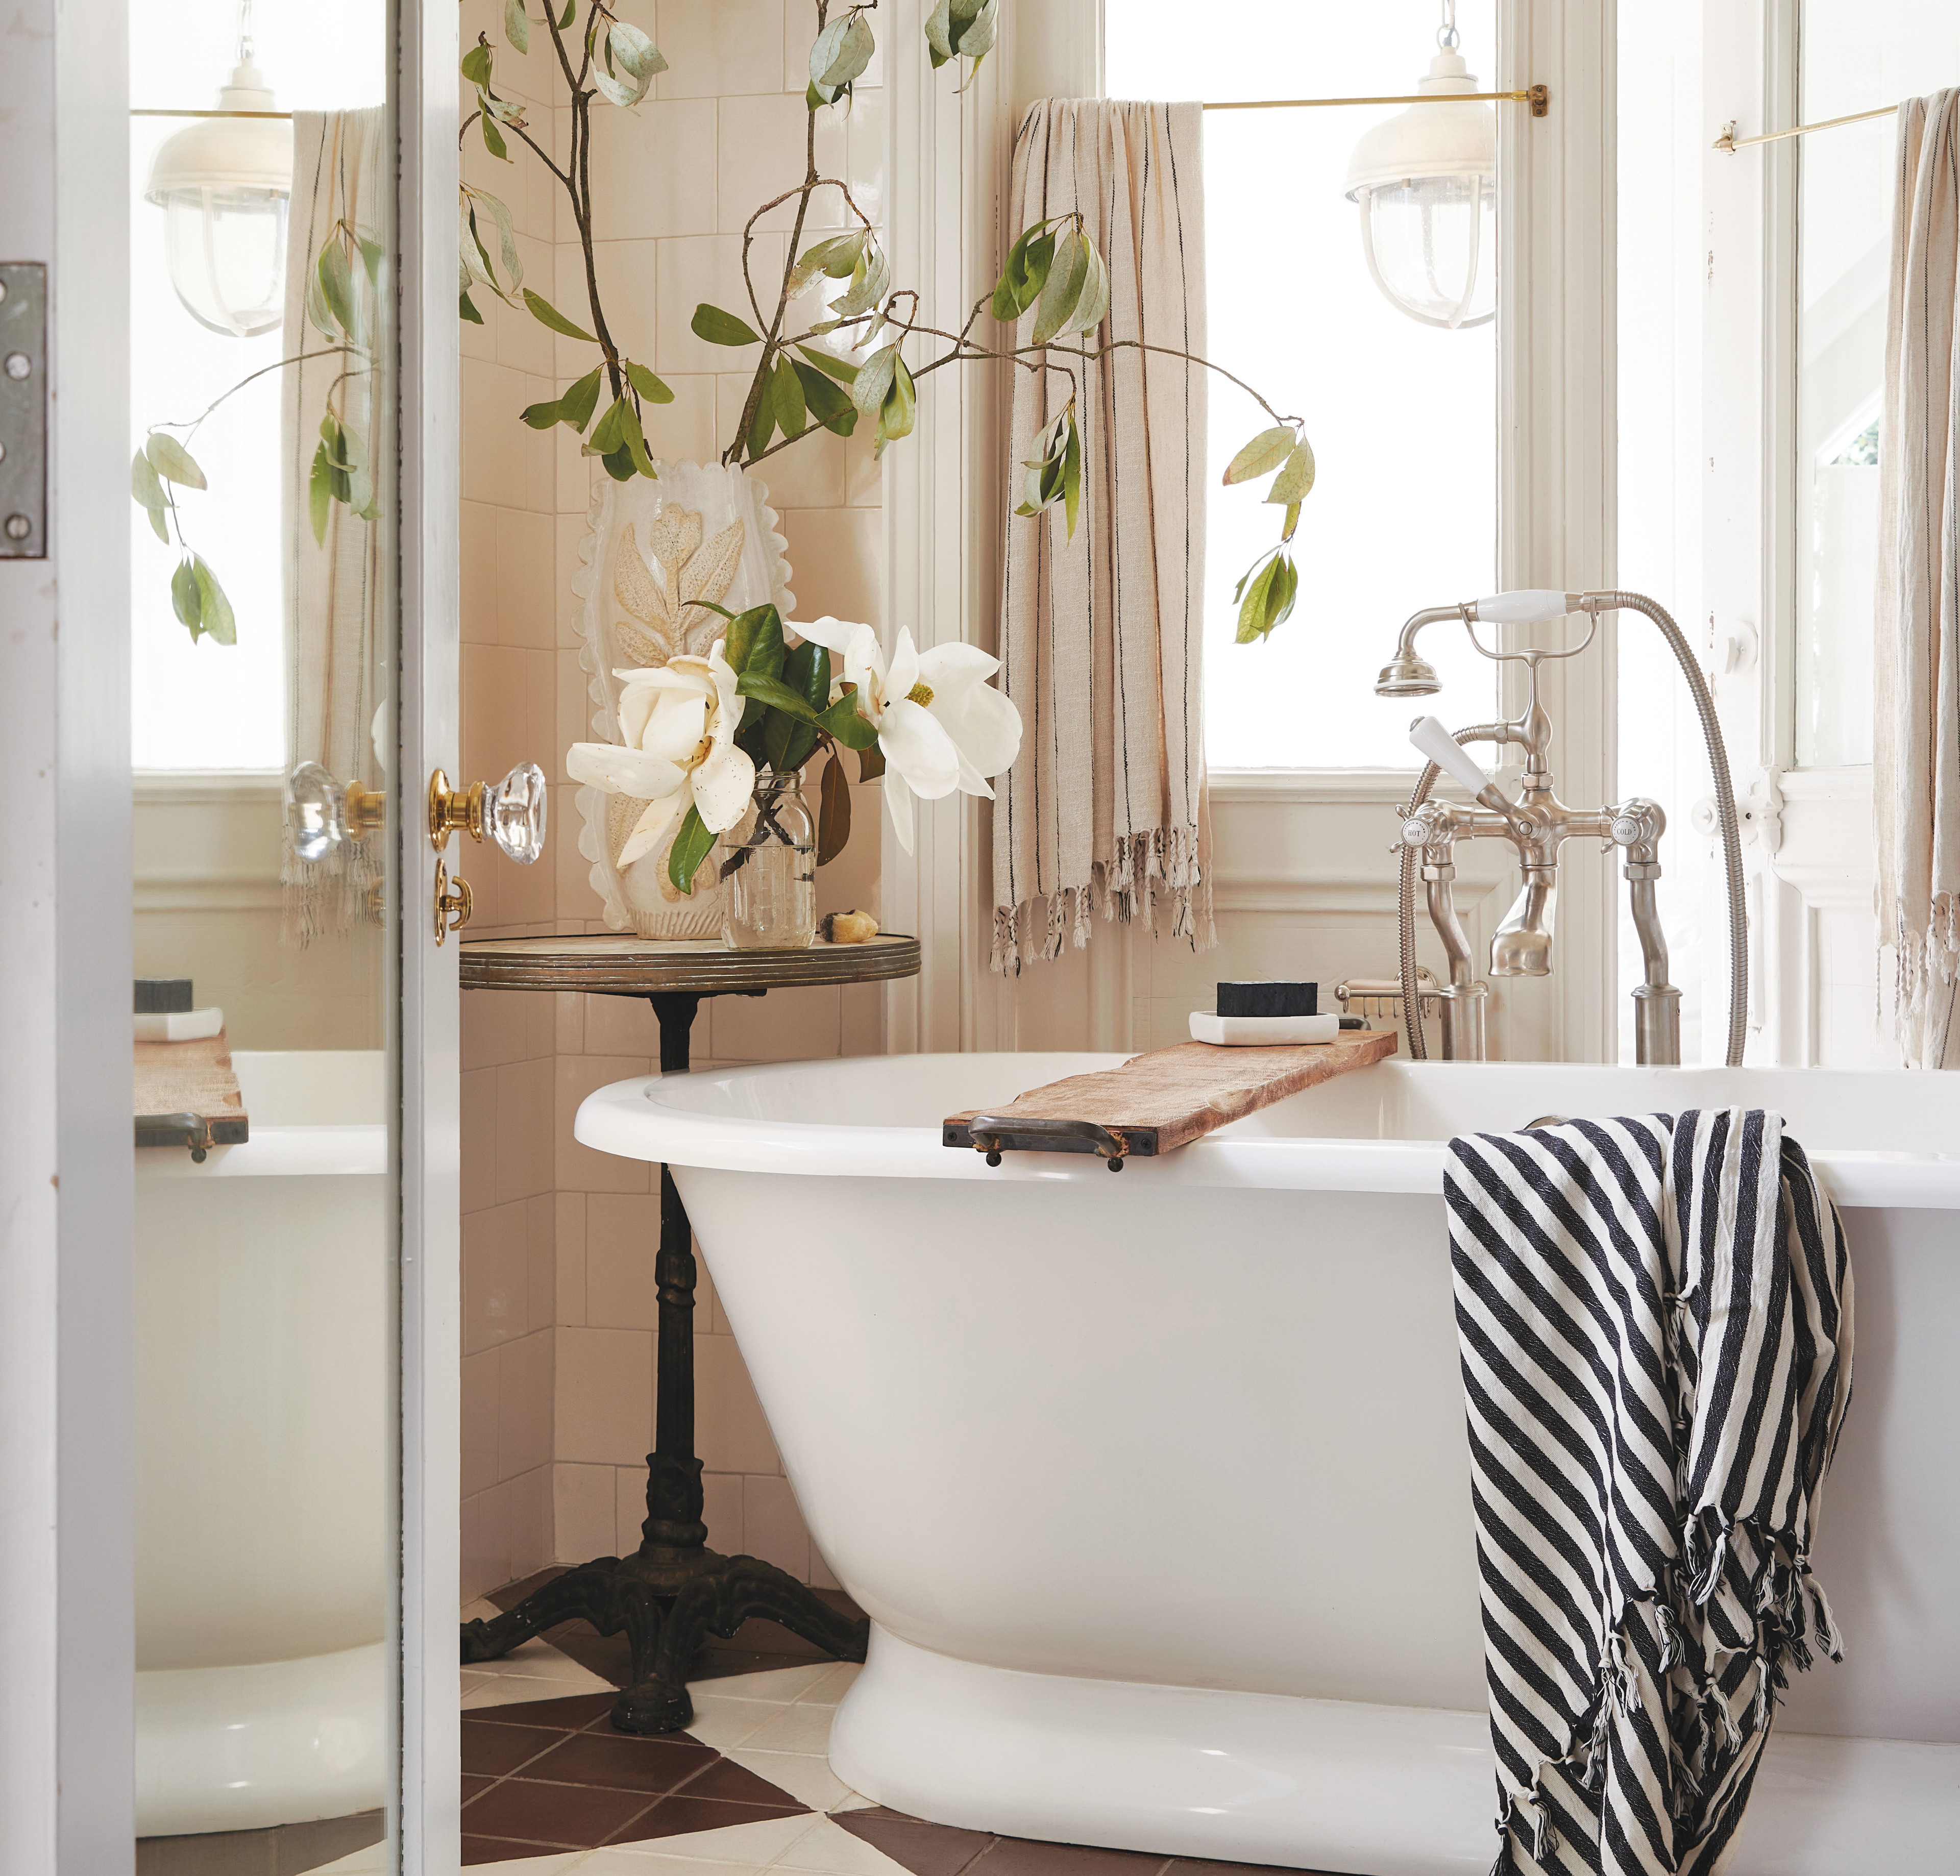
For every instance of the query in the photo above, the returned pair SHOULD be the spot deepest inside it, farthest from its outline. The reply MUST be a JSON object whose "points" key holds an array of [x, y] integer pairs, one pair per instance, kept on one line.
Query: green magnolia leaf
{"points": [[840, 369], [762, 422], [807, 670], [476, 62], [1266, 451], [826, 400], [580, 400], [691, 845], [870, 276], [466, 309], [609, 433], [754, 642], [336, 286], [776, 693], [172, 461], [850, 726], [564, 18], [543, 416], [320, 493], [546, 314], [631, 50], [896, 412], [786, 397], [144, 485], [187, 597], [721, 329], [833, 813], [835, 257], [1025, 273], [873, 380], [214, 607], [619, 464], [1295, 477], [1068, 278], [635, 440], [644, 381], [871, 761], [517, 28]]}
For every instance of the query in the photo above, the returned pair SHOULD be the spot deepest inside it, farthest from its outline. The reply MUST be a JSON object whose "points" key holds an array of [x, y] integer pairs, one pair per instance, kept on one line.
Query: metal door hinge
{"points": [[23, 410]]}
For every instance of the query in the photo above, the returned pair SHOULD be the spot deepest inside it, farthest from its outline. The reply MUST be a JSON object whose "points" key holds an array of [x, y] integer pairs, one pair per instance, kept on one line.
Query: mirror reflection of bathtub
{"points": [[265, 1304], [1156, 1487]]}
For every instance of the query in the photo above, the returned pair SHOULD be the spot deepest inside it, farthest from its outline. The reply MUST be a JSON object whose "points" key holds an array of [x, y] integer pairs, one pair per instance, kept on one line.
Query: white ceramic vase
{"points": [[702, 531]]}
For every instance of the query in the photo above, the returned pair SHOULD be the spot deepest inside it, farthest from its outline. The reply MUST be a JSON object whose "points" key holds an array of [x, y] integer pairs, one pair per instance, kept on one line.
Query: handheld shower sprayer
{"points": [[1537, 825]]}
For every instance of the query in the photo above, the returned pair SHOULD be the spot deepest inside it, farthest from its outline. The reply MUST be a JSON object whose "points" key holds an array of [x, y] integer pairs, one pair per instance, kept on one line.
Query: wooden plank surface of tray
{"points": [[176, 1079], [1168, 1098]]}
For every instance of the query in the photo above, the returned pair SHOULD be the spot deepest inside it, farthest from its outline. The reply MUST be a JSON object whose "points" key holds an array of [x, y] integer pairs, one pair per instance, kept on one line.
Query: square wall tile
{"points": [[523, 1128], [722, 1512], [531, 1520], [622, 1240], [604, 1395], [721, 48], [541, 1259], [583, 1520], [629, 1508], [621, 1025], [837, 554], [479, 1421], [477, 1107], [773, 1526], [706, 267], [527, 573], [787, 1025], [654, 171], [568, 1298], [524, 1405], [580, 1167], [476, 566], [485, 1533], [496, 1276]]}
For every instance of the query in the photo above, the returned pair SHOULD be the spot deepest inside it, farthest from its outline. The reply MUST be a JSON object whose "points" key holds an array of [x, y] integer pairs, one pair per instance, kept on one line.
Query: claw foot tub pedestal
{"points": [[673, 1591], [1156, 1490]]}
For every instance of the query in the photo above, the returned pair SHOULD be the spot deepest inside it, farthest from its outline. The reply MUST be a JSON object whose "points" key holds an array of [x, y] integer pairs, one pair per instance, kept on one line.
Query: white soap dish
{"points": [[1253, 1032], [179, 1025]]}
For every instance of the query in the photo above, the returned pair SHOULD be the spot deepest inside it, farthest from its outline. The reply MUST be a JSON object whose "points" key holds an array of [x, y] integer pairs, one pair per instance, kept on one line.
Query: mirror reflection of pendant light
{"points": [[223, 185], [1427, 184]]}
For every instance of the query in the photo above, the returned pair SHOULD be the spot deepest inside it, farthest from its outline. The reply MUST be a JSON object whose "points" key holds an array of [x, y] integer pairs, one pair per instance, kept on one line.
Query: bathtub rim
{"points": [[628, 1119]]}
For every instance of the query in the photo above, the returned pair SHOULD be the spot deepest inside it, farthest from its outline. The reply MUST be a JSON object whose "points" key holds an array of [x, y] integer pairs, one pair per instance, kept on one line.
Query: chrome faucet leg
{"points": [[1462, 1002], [1637, 825]]}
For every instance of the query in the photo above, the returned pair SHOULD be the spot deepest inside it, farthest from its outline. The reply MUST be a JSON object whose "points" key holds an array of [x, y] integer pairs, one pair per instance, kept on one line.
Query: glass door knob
{"points": [[511, 812], [322, 814]]}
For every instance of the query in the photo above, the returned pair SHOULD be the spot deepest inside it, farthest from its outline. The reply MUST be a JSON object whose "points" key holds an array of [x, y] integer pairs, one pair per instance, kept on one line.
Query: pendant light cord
{"points": [[1446, 35]]}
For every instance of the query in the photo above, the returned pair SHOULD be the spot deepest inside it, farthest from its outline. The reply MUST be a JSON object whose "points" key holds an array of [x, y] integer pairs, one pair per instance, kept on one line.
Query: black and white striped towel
{"points": [[1655, 1319]]}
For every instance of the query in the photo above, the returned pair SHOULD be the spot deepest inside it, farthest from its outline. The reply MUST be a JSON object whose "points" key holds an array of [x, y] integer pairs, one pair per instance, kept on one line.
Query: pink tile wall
{"points": [[558, 1240]]}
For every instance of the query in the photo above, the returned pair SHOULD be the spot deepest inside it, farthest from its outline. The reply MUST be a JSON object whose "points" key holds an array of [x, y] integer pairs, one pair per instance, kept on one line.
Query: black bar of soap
{"points": [[1269, 1000], [160, 996]]}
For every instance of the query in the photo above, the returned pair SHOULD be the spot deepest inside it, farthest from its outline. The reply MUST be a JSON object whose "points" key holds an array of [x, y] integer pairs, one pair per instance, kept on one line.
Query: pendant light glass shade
{"points": [[1427, 184], [223, 185]]}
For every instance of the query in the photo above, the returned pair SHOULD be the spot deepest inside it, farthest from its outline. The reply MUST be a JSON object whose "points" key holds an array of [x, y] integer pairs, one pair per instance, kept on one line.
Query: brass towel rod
{"points": [[1538, 96], [1729, 142]]}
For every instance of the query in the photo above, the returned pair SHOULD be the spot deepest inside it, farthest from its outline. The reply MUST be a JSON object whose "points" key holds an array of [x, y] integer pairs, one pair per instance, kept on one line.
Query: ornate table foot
{"points": [[668, 1597]]}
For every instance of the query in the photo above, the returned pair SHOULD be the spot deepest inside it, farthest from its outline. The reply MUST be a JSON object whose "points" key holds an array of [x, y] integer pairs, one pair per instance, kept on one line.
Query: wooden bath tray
{"points": [[187, 1095], [1159, 1101]]}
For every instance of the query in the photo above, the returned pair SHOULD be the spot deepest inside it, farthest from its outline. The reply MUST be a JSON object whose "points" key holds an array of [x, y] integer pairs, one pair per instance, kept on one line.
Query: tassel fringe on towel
{"points": [[1155, 880]]}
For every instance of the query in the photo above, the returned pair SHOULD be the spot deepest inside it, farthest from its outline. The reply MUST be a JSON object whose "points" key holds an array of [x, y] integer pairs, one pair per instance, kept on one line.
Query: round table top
{"points": [[621, 964]]}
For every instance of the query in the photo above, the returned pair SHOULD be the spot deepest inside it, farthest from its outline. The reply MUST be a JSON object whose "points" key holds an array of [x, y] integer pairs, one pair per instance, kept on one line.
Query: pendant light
{"points": [[1425, 182], [223, 185]]}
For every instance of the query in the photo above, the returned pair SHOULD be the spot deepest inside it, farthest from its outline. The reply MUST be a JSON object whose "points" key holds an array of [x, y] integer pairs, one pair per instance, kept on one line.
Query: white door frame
{"points": [[66, 1152]]}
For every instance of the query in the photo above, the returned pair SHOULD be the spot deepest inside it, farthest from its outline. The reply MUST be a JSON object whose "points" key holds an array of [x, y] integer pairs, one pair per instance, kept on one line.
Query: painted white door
{"points": [[78, 595]]}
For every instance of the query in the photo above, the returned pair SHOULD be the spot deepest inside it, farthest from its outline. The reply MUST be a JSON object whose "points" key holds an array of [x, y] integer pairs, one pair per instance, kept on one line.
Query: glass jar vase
{"points": [[767, 862]]}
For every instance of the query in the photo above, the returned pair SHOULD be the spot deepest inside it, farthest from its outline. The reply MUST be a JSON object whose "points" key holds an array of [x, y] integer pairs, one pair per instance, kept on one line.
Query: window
{"points": [[202, 705], [1402, 415]]}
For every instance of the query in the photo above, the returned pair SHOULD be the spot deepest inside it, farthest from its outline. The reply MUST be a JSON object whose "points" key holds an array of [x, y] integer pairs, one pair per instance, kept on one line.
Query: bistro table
{"points": [[672, 1592]]}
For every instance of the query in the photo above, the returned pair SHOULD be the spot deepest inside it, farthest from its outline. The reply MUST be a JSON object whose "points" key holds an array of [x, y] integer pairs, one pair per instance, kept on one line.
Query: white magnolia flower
{"points": [[940, 726], [678, 720]]}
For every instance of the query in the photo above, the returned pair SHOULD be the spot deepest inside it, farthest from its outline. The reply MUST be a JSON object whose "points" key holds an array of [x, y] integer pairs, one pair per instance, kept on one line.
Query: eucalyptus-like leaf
{"points": [[172, 461], [1295, 477], [836, 257], [517, 28], [546, 314], [1266, 451], [619, 464], [466, 308], [786, 397], [1054, 313], [634, 439], [870, 276], [622, 92], [842, 370], [1025, 273], [762, 421], [896, 413], [336, 286], [476, 262], [186, 599], [634, 51], [874, 380], [145, 485], [476, 62], [214, 609], [609, 433], [580, 400], [653, 389], [319, 493], [1266, 596], [722, 329], [839, 54], [514, 266], [962, 29], [493, 137], [826, 400]]}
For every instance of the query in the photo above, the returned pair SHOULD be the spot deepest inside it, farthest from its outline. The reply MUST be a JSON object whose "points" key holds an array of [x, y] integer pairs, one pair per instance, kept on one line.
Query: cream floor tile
{"points": [[642, 1859], [750, 1845], [806, 1776], [856, 1801], [831, 1850], [832, 1686], [514, 1690], [556, 1864], [794, 1729], [783, 1684], [722, 1724], [371, 1861]]}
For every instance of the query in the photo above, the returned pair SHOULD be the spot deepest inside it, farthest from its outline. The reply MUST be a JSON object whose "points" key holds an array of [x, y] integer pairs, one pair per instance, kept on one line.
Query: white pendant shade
{"points": [[1425, 184], [224, 183]]}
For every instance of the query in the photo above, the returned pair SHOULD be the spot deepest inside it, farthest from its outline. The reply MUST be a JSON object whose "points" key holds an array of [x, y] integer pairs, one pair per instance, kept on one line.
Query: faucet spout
{"points": [[1522, 945]]}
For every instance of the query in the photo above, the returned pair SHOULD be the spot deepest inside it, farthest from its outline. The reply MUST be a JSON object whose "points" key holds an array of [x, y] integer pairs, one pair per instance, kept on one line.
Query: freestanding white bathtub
{"points": [[265, 1417], [1156, 1488]]}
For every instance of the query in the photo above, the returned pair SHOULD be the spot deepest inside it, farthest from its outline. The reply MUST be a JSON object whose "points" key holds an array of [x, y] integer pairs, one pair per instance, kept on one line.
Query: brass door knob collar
{"points": [[450, 809]]}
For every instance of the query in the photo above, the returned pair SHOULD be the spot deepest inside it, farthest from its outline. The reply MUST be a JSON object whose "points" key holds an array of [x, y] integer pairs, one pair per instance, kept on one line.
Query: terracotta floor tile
{"points": [[623, 1761], [574, 1710], [498, 1749], [926, 1849], [475, 1784], [672, 1816], [554, 1816], [1020, 1856]]}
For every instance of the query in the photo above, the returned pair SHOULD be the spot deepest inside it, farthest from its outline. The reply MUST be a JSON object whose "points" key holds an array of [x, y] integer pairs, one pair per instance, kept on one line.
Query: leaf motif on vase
{"points": [[659, 595], [708, 575], [621, 813]]}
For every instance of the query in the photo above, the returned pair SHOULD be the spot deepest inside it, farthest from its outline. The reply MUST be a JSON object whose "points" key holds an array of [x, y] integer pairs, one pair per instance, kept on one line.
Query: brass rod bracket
{"points": [[1540, 96]]}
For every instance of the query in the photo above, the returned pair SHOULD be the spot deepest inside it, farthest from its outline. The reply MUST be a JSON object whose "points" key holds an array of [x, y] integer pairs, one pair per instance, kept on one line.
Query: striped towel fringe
{"points": [[1654, 1317]]}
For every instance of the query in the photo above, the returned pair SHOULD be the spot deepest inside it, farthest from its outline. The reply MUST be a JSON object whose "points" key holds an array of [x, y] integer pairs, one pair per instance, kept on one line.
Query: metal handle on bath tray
{"points": [[991, 1133]]}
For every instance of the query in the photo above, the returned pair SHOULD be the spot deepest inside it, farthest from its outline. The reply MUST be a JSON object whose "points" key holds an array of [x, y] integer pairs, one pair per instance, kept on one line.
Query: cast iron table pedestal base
{"points": [[674, 1591]]}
